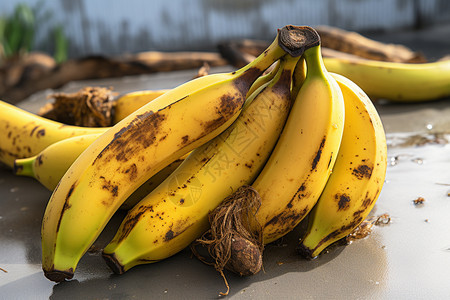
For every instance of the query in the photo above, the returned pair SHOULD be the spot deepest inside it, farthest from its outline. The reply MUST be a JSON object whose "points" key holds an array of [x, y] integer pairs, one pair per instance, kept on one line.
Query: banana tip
{"points": [[113, 264], [306, 252], [58, 276]]}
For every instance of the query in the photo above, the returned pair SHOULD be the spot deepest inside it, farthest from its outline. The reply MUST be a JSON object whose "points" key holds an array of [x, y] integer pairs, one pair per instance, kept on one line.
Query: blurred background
{"points": [[75, 28]]}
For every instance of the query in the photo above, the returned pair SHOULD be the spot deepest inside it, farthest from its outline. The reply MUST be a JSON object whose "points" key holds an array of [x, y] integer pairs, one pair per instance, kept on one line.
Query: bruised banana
{"points": [[50, 165], [297, 170], [24, 134], [395, 81], [139, 146], [357, 178], [176, 212]]}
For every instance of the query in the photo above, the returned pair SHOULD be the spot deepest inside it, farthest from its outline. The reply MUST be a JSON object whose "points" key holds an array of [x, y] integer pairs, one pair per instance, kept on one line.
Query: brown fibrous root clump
{"points": [[234, 240]]}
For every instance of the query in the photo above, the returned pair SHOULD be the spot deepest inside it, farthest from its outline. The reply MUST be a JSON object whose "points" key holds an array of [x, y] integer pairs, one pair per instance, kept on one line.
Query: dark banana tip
{"points": [[305, 251], [112, 263], [295, 40], [58, 276], [17, 168]]}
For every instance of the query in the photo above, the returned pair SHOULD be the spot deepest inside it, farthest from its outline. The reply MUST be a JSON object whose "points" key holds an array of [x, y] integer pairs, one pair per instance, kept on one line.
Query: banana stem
{"points": [[314, 62], [24, 166]]}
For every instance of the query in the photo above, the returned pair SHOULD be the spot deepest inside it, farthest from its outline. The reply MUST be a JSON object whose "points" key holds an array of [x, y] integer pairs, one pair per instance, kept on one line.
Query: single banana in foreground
{"points": [[357, 177], [297, 170], [395, 81], [176, 212], [139, 146], [24, 134]]}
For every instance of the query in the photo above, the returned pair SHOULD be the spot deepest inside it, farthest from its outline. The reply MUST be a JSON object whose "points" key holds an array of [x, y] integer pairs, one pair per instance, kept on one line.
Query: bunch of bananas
{"points": [[310, 142]]}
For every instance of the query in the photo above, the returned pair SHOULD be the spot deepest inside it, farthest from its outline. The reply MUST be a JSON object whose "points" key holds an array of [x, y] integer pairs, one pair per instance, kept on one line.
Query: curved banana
{"points": [[23, 134], [358, 174], [176, 212], [135, 149], [50, 165], [297, 170], [395, 81]]}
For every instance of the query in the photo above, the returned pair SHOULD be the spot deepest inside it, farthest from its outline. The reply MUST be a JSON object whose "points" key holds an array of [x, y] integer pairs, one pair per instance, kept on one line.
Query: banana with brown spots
{"points": [[296, 173], [357, 177]]}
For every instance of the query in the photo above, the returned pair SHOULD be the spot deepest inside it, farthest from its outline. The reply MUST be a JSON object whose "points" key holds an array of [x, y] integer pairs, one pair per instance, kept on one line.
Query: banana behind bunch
{"points": [[297, 170], [176, 212], [357, 177], [139, 146], [23, 134], [395, 81]]}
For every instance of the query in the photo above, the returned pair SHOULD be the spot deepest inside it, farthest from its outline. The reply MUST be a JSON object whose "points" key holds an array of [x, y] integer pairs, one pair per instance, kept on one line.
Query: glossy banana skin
{"points": [[297, 170], [357, 178], [176, 212], [23, 134], [396, 81], [132, 151]]}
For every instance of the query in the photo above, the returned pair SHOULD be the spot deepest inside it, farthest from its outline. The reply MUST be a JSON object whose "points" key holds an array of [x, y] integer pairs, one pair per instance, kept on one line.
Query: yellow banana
{"points": [[136, 148], [23, 134], [297, 170], [126, 104], [358, 174], [395, 81], [176, 212], [49, 166]]}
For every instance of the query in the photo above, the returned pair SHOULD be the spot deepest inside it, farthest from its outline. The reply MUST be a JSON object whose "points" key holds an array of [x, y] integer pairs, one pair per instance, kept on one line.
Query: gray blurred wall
{"points": [[113, 26]]}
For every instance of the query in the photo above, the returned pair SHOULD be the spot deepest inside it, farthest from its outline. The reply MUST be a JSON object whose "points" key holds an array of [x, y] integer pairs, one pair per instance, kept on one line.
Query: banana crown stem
{"points": [[24, 166], [314, 62]]}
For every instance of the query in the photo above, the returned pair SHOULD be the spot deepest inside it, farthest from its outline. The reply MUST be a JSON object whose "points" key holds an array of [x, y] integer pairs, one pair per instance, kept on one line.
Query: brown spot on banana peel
{"points": [[343, 201], [132, 171], [176, 229], [285, 221], [66, 205], [109, 186], [144, 130], [362, 171], [318, 155], [130, 221], [243, 83]]}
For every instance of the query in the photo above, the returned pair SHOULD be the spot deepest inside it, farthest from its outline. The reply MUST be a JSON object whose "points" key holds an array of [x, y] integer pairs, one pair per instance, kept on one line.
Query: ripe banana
{"points": [[176, 212], [358, 174], [395, 81], [136, 148], [23, 134], [297, 170]]}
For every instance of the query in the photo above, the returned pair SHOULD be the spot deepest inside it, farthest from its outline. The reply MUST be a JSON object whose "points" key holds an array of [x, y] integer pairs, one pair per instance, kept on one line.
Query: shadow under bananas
{"points": [[285, 272], [183, 276]]}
